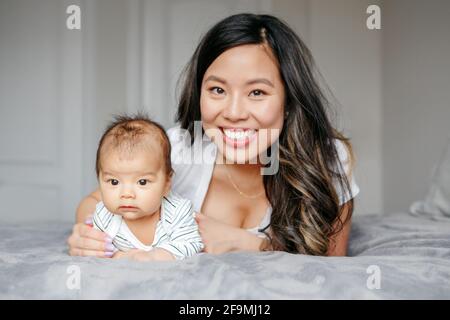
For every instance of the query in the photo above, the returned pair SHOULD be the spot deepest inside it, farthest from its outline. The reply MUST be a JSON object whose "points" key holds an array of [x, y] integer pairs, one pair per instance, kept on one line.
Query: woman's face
{"points": [[242, 102]]}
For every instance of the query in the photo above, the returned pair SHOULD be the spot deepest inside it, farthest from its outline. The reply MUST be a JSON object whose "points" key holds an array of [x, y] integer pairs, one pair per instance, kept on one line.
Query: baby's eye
{"points": [[114, 182], [257, 93], [143, 182], [217, 90]]}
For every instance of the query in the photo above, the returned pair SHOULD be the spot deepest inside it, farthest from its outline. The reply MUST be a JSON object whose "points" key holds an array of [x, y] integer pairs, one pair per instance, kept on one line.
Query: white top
{"points": [[194, 165], [176, 231]]}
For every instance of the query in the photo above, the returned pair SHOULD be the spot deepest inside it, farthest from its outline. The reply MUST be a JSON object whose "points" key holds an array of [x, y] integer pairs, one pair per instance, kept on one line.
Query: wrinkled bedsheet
{"points": [[390, 257]]}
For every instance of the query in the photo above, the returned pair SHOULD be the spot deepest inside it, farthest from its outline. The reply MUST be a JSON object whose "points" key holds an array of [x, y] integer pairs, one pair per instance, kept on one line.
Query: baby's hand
{"points": [[126, 254], [141, 255]]}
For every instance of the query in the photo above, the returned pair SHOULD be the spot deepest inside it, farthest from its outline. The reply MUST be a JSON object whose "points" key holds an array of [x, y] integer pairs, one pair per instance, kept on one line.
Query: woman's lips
{"points": [[238, 137]]}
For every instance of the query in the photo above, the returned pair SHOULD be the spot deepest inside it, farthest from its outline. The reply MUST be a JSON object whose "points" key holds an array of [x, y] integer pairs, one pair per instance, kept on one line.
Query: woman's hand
{"points": [[219, 237], [87, 241]]}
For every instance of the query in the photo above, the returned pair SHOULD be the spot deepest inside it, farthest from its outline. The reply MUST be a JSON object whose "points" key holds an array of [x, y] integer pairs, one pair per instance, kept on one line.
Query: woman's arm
{"points": [[219, 237], [339, 242], [85, 240], [87, 206]]}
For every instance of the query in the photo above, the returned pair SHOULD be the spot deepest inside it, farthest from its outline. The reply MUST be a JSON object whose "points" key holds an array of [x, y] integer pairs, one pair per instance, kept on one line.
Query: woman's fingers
{"points": [[85, 239], [91, 244], [91, 233], [89, 221], [90, 253], [199, 216]]}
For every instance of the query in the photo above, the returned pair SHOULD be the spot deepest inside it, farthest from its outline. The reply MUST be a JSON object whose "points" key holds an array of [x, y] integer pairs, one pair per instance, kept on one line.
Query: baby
{"points": [[145, 220]]}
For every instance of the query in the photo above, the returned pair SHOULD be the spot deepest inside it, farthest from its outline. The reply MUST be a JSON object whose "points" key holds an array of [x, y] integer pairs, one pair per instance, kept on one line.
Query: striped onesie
{"points": [[176, 231]]}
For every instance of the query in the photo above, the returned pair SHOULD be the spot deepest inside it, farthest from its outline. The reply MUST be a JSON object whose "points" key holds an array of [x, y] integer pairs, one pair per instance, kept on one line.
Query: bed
{"points": [[404, 255], [396, 257]]}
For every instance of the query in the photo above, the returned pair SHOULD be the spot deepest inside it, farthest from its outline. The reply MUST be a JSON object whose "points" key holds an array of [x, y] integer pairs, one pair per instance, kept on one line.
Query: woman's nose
{"points": [[235, 109]]}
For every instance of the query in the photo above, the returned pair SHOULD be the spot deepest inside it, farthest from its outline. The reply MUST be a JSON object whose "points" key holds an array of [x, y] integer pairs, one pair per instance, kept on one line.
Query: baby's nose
{"points": [[127, 194]]}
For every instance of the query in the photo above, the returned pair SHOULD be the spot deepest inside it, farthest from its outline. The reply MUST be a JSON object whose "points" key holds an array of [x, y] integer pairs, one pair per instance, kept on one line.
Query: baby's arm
{"points": [[184, 240], [156, 254]]}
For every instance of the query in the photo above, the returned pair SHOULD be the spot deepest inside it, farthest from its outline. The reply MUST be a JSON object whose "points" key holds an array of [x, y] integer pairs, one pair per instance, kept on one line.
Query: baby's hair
{"points": [[129, 132]]}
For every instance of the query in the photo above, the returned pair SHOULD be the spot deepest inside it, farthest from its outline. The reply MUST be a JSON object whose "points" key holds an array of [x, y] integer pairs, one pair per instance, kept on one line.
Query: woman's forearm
{"points": [[87, 206], [251, 242]]}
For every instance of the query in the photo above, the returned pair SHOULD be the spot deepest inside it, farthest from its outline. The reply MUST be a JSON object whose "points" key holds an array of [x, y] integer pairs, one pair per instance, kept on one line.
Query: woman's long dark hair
{"points": [[306, 211]]}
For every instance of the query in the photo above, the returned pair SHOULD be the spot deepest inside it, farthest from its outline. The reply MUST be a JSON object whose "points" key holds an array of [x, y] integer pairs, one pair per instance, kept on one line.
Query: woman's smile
{"points": [[238, 137]]}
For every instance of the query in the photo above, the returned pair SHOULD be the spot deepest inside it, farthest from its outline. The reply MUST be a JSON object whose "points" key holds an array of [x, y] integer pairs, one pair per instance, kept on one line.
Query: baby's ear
{"points": [[168, 185]]}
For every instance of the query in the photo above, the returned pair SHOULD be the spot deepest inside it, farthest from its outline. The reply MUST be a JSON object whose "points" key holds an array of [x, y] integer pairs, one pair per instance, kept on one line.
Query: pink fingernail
{"points": [[108, 240], [109, 247], [108, 254], [88, 221]]}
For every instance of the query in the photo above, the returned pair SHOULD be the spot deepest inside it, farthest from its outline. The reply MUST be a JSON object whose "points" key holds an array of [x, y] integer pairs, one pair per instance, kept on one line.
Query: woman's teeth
{"points": [[239, 134]]}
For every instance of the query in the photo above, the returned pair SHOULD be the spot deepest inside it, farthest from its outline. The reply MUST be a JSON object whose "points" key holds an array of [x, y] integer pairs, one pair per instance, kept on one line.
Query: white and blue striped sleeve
{"points": [[102, 218], [183, 239]]}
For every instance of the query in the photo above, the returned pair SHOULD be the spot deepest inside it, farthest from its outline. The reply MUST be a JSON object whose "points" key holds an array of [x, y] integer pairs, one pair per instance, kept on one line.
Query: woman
{"points": [[251, 84]]}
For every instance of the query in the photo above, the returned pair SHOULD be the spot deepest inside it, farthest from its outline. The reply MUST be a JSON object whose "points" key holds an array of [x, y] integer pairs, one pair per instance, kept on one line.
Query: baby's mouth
{"points": [[128, 208]]}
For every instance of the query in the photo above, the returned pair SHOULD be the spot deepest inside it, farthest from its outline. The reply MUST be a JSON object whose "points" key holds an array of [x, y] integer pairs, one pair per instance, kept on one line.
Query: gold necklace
{"points": [[238, 190]]}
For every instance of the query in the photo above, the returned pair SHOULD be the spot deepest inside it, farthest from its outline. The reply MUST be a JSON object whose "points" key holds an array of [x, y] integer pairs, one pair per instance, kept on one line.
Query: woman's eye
{"points": [[256, 93], [143, 182], [114, 182], [217, 90]]}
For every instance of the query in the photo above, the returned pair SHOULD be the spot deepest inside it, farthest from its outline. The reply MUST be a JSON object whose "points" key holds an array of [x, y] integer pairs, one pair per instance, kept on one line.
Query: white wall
{"points": [[349, 58], [41, 73], [348, 55], [416, 96], [105, 81], [392, 86]]}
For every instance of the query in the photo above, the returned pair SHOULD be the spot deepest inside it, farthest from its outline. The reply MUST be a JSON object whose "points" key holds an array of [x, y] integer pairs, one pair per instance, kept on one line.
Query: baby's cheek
{"points": [[150, 202], [110, 199]]}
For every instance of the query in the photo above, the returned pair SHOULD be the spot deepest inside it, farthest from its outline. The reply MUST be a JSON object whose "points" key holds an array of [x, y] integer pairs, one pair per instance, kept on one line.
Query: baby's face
{"points": [[133, 187]]}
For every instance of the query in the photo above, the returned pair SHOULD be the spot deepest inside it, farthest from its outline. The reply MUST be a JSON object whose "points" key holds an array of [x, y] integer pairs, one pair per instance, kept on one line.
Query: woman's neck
{"points": [[246, 177]]}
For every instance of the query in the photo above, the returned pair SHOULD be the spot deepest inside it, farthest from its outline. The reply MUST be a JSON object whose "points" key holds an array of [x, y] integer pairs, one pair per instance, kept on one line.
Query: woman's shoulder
{"points": [[175, 135], [345, 158], [347, 165], [178, 143], [186, 153], [192, 164], [173, 131]]}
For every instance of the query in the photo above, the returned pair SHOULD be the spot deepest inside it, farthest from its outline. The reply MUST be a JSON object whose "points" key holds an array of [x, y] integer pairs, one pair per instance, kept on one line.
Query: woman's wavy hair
{"points": [[306, 206]]}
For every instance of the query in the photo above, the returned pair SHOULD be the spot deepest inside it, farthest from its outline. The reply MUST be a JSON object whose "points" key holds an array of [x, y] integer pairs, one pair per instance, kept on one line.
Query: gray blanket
{"points": [[391, 257]]}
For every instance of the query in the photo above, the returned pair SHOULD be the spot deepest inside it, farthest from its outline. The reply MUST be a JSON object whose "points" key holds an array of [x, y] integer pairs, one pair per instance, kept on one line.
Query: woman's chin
{"points": [[239, 156]]}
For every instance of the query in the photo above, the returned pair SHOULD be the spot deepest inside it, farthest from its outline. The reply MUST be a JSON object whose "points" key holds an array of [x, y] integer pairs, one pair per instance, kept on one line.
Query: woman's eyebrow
{"points": [[250, 82], [261, 80], [214, 78]]}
